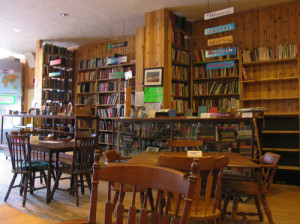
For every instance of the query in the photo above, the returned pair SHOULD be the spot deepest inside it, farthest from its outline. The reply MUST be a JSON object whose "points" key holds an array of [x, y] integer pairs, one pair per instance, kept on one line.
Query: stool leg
{"points": [[235, 207], [259, 211], [226, 200], [266, 208]]}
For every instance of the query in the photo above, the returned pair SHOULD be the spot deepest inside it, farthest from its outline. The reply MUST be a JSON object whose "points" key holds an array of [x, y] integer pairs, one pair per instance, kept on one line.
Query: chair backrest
{"points": [[209, 178], [83, 153], [184, 145], [111, 156], [269, 164], [164, 180], [20, 153]]}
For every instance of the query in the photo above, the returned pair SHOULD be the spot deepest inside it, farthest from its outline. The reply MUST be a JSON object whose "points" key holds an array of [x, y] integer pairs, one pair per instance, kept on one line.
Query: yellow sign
{"points": [[221, 40]]}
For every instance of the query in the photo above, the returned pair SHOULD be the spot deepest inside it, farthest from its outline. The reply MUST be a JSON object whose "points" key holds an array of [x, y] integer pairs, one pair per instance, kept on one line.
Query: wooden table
{"points": [[51, 147], [151, 158]]}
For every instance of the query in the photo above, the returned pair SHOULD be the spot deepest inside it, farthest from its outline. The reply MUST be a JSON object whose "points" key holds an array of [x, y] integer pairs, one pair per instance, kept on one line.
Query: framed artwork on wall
{"points": [[153, 76]]}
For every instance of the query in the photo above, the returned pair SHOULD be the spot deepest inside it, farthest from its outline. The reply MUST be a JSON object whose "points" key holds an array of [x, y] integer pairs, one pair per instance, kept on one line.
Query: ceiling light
{"points": [[64, 14], [17, 30]]}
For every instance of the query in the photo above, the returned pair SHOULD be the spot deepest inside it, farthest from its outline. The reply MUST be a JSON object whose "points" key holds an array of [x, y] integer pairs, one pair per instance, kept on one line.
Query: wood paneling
{"points": [[38, 73], [158, 48], [139, 55]]}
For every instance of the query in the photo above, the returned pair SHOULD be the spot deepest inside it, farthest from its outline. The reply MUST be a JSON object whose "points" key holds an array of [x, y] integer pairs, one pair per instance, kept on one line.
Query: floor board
{"points": [[283, 201]]}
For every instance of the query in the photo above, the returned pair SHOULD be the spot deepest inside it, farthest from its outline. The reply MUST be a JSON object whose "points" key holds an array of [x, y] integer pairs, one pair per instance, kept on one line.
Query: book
{"points": [[202, 109]]}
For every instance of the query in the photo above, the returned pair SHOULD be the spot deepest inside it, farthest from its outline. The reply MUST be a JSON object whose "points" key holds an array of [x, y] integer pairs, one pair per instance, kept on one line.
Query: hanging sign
{"points": [[116, 45], [217, 65], [220, 52], [153, 94], [219, 13], [5, 99], [221, 40], [219, 29]]}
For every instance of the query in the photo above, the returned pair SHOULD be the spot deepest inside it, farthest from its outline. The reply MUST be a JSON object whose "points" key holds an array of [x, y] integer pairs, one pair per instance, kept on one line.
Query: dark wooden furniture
{"points": [[82, 161], [22, 163], [52, 147], [151, 177], [207, 203], [268, 164], [183, 145], [112, 157], [151, 158]]}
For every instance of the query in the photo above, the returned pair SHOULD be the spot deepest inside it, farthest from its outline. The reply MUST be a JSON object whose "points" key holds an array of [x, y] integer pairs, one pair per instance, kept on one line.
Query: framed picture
{"points": [[153, 76]]}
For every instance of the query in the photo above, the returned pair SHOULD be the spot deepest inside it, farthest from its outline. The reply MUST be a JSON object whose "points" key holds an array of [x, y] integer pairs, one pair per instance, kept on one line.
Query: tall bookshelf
{"points": [[215, 87], [181, 31], [104, 88], [271, 80], [57, 84]]}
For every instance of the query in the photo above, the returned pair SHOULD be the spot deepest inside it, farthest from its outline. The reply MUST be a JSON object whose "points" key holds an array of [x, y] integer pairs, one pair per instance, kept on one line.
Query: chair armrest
{"points": [[268, 166], [256, 160]]}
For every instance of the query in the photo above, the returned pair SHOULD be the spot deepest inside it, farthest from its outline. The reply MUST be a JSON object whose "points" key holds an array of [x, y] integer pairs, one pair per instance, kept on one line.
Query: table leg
{"points": [[48, 198]]}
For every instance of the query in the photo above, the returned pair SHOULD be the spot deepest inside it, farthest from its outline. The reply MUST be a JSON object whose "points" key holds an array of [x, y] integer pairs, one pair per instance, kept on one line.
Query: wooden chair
{"points": [[112, 157], [258, 189], [207, 203], [184, 145], [22, 163], [82, 161], [150, 177]]}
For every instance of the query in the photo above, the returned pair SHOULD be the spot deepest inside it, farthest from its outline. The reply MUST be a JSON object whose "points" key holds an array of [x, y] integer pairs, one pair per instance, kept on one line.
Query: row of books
{"points": [[53, 49], [85, 124], [180, 89], [199, 56], [87, 88], [223, 104], [180, 40], [108, 99], [110, 86], [179, 105], [107, 112], [53, 60], [85, 99], [105, 125], [216, 87], [104, 74], [180, 23], [56, 95], [105, 138], [57, 83], [180, 56], [270, 53], [87, 76], [200, 72], [180, 73]]}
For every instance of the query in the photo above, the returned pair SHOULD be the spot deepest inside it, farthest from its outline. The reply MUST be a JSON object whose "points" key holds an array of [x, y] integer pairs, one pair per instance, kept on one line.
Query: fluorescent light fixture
{"points": [[17, 30], [64, 14]]}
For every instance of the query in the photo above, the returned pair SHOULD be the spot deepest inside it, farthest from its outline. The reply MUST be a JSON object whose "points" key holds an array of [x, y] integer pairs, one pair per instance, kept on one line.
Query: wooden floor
{"points": [[284, 202]]}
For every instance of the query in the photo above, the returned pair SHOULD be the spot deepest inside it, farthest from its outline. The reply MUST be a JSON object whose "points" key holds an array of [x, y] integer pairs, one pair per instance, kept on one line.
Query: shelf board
{"points": [[102, 130], [217, 95], [271, 80], [277, 98], [104, 143], [182, 97], [86, 81], [212, 61], [180, 64], [90, 93], [278, 114], [180, 80], [106, 105], [280, 132], [180, 48], [280, 150], [214, 78], [107, 80], [288, 168], [107, 92], [270, 61], [49, 88], [105, 67]]}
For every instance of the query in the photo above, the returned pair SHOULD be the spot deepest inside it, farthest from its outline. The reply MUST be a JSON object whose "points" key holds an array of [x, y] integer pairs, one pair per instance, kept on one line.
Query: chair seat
{"points": [[245, 187], [198, 210], [36, 165]]}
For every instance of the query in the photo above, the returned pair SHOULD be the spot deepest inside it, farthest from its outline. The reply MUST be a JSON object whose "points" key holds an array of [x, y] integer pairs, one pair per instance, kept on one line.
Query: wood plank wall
{"points": [[158, 48], [262, 27]]}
